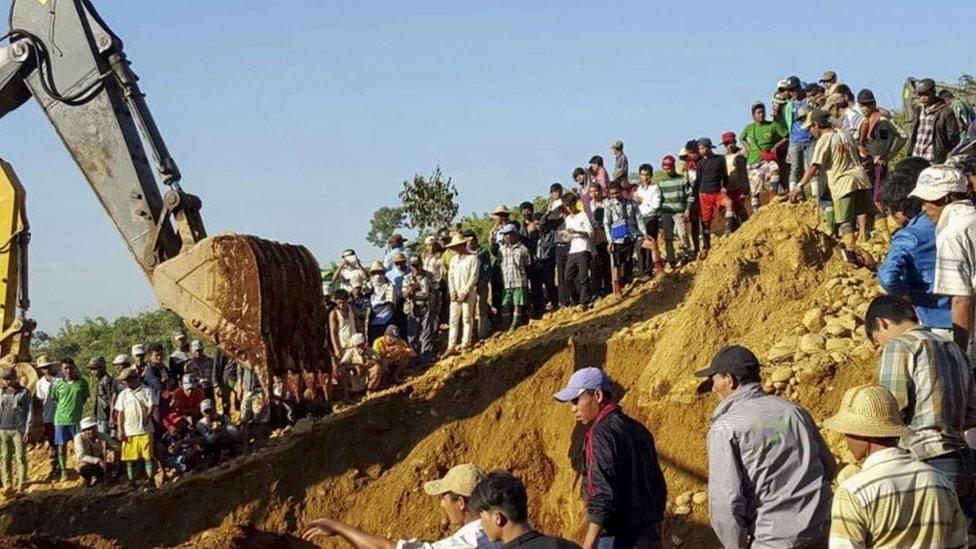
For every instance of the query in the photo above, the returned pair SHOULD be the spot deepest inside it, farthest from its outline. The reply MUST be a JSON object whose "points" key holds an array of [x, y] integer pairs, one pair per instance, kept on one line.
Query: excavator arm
{"points": [[259, 301]]}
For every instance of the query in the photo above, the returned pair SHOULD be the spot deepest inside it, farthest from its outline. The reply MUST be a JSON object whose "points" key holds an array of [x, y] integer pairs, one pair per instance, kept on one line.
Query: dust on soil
{"points": [[492, 406]]}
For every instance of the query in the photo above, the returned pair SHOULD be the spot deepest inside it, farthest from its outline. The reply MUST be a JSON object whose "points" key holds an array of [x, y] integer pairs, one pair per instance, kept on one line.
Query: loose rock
{"points": [[813, 319]]}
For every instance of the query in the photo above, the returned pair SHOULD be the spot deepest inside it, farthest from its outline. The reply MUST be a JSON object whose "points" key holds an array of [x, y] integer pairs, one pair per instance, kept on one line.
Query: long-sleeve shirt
{"points": [[933, 384], [674, 195], [470, 536], [909, 270], [896, 501], [625, 488], [621, 168], [462, 278], [769, 472], [712, 176], [580, 232], [42, 392], [620, 212], [648, 200], [93, 450], [422, 289], [105, 391], [15, 409]]}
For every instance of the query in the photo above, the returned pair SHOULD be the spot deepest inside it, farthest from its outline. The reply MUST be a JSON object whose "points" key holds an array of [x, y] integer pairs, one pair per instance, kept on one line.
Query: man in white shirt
{"points": [[454, 491], [579, 233], [42, 392], [462, 288], [648, 198], [135, 412], [945, 196]]}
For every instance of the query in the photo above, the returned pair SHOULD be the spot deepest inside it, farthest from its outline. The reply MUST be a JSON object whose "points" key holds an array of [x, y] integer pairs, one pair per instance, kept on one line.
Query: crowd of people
{"points": [[150, 413], [773, 481]]}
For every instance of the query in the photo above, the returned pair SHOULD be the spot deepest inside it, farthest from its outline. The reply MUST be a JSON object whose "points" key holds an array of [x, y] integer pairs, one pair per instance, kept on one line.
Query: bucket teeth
{"points": [[259, 301]]}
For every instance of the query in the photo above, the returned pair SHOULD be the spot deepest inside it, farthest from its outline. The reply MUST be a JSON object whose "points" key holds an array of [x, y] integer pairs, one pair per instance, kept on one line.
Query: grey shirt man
{"points": [[769, 472], [15, 409]]}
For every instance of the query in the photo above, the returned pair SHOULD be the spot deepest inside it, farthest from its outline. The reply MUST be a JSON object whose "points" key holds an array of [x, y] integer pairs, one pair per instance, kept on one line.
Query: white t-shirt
{"points": [[42, 390], [135, 405], [469, 536], [955, 253], [579, 222]]}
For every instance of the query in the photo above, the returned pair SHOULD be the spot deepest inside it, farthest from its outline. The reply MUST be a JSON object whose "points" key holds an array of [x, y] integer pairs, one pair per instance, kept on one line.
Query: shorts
{"points": [[65, 433], [848, 207], [738, 199], [710, 203], [138, 447], [652, 226], [515, 297]]}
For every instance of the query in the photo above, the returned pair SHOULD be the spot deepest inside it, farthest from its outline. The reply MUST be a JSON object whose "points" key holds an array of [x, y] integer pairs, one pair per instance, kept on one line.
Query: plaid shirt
{"points": [[515, 263], [896, 501], [925, 137], [616, 209], [933, 385]]}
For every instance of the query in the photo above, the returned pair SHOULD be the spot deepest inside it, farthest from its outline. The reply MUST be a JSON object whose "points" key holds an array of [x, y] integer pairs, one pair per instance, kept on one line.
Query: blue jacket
{"points": [[909, 270]]}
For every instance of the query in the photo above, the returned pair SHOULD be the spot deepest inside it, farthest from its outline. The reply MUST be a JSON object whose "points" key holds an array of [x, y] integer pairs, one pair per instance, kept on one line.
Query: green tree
{"points": [[429, 203], [101, 337], [385, 222]]}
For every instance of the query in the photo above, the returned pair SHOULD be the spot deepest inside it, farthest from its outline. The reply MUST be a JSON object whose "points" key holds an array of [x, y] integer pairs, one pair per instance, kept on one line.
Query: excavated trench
{"points": [[493, 407]]}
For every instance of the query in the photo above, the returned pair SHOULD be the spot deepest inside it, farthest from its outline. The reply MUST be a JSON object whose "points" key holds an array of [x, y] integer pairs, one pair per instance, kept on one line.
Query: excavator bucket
{"points": [[260, 301]]}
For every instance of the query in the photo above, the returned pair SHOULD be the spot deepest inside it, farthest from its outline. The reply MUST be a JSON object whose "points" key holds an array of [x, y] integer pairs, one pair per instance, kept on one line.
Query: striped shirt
{"points": [[934, 388], [896, 501], [515, 263], [955, 251], [674, 195]]}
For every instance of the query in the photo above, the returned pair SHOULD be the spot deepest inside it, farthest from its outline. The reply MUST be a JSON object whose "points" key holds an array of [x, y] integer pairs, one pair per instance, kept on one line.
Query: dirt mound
{"points": [[778, 286]]}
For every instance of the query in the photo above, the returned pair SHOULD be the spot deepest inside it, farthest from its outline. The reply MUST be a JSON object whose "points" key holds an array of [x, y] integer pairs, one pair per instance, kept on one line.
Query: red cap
{"points": [[172, 419], [728, 137], [667, 160]]}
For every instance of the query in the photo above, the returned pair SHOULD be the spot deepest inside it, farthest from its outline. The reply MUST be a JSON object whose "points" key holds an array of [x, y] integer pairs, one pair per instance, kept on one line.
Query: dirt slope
{"points": [[494, 407]]}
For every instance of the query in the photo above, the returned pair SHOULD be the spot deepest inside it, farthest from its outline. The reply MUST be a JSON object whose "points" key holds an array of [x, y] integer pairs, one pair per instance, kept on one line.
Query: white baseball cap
{"points": [[138, 350], [935, 182], [195, 345], [121, 359]]}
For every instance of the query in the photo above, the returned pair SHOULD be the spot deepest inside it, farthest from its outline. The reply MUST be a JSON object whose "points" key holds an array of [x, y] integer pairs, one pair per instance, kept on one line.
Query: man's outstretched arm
{"points": [[354, 536]]}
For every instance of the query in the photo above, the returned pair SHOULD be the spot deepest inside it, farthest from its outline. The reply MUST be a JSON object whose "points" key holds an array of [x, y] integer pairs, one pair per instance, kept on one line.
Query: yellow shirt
{"points": [[392, 350], [836, 154], [896, 501]]}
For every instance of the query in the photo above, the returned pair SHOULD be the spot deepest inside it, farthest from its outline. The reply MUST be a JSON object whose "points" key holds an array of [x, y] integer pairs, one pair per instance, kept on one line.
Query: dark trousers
{"points": [[537, 295], [562, 254], [578, 277], [422, 331], [497, 285], [623, 257], [547, 277], [601, 282], [90, 471]]}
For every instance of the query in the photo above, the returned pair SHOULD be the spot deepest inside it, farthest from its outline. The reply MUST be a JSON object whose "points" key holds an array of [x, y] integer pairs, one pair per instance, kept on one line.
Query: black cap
{"points": [[692, 145], [793, 83], [866, 97], [925, 86], [734, 360], [813, 87], [704, 142]]}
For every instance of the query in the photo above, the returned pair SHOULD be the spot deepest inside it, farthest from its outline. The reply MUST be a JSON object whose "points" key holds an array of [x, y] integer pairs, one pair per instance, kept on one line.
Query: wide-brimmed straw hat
{"points": [[868, 411], [502, 209], [458, 240]]}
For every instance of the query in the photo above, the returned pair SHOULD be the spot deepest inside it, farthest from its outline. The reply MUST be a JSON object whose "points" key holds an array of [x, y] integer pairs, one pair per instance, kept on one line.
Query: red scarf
{"points": [[588, 446]]}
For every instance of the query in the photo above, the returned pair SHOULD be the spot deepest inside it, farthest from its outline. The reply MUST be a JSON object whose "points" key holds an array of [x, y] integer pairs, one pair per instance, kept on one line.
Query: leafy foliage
{"points": [[385, 222], [101, 337], [429, 203]]}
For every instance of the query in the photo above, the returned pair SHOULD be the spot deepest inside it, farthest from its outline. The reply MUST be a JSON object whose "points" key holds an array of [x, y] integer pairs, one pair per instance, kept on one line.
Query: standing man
{"points": [[105, 391], [648, 198], [462, 288], [829, 81], [454, 491], [850, 189], [15, 418], [202, 367], [395, 243], [70, 394], [529, 234], [736, 166], [179, 357], [482, 316], [548, 250], [894, 500], [713, 179], [343, 324], [878, 139], [621, 222], [933, 386], [674, 211], [135, 412], [800, 151], [421, 298], [769, 468], [350, 271], [514, 264], [621, 168], [501, 502], [42, 392], [936, 130], [762, 140], [496, 240], [945, 197], [382, 302], [580, 233], [601, 279], [625, 489]]}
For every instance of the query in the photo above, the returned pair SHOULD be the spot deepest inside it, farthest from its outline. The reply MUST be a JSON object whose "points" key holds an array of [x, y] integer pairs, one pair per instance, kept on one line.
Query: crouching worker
{"points": [[94, 450], [220, 436], [362, 367], [454, 490], [395, 352]]}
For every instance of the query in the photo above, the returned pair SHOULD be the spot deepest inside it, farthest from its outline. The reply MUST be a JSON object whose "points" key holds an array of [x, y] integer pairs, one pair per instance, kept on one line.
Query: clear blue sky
{"points": [[296, 120]]}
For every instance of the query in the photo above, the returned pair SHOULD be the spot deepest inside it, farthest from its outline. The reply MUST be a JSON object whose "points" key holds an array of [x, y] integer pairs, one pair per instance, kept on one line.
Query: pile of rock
{"points": [[683, 506], [829, 334]]}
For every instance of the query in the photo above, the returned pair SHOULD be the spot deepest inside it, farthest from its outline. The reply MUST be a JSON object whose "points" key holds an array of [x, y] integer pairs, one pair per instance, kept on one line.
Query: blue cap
{"points": [[584, 379], [508, 228]]}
